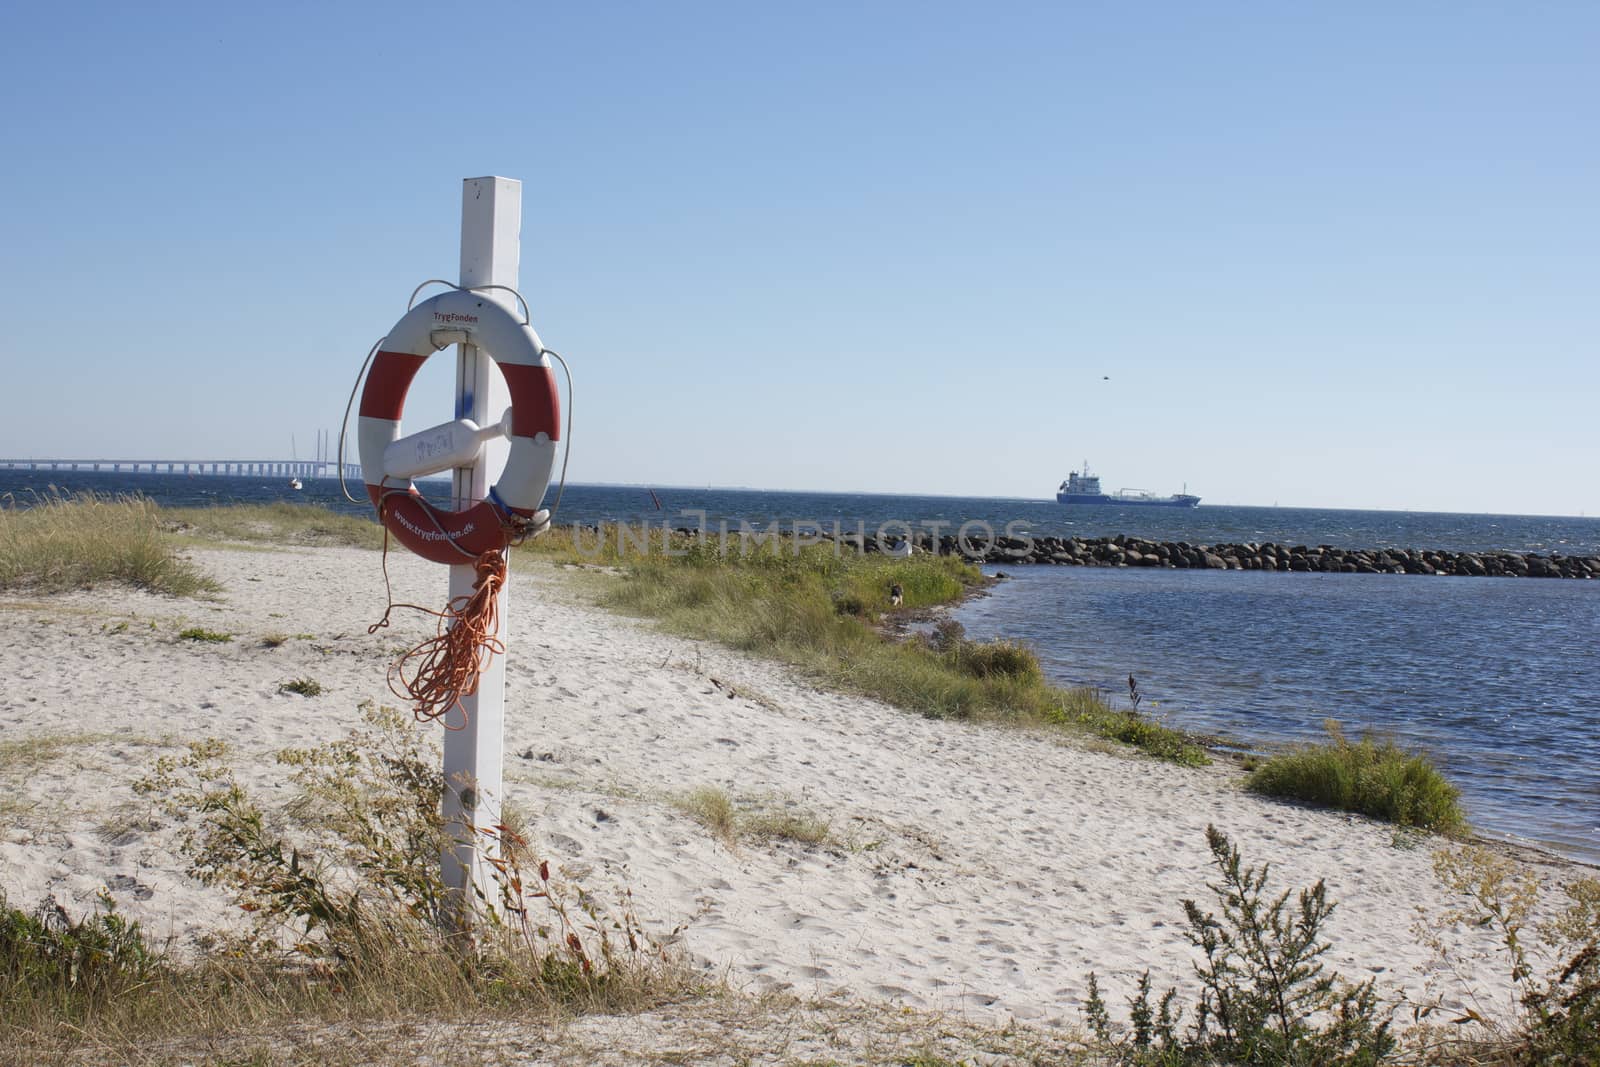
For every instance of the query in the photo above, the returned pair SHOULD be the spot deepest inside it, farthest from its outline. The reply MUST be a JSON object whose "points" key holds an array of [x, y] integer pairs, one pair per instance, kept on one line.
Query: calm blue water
{"points": [[1497, 678]]}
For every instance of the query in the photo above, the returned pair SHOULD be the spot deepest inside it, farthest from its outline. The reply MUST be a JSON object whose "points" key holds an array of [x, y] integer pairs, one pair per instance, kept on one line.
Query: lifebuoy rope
{"points": [[446, 667], [566, 442], [526, 315], [344, 425]]}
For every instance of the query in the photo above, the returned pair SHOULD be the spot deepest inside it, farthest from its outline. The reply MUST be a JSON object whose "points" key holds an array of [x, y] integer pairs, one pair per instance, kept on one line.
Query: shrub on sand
{"points": [[1558, 1011], [1266, 996], [1375, 778]]}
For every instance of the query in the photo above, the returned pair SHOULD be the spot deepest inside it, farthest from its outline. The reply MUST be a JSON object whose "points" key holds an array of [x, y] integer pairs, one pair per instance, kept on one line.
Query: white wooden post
{"points": [[491, 231]]}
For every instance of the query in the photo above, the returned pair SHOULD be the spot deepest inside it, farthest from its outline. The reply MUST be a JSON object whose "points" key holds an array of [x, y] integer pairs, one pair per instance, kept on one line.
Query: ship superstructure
{"points": [[1082, 487]]}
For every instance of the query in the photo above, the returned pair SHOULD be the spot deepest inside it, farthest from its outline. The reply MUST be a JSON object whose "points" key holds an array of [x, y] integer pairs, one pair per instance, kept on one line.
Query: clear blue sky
{"points": [[1337, 254]]}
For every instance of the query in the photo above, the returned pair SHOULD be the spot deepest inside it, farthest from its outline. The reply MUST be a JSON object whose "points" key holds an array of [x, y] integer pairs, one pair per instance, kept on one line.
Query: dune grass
{"points": [[349, 920], [1370, 777], [98, 989], [276, 523], [817, 610], [58, 542]]}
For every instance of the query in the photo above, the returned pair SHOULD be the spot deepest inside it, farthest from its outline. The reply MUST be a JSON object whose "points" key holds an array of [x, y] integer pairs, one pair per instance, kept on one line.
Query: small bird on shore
{"points": [[896, 595]]}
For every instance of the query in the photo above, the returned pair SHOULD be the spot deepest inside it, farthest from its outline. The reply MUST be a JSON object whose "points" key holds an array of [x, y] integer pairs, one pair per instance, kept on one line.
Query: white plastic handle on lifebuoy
{"points": [[533, 424], [449, 445]]}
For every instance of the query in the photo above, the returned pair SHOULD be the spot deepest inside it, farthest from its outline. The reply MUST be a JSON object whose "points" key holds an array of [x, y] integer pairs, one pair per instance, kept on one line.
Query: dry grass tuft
{"points": [[711, 808], [62, 541], [763, 820]]}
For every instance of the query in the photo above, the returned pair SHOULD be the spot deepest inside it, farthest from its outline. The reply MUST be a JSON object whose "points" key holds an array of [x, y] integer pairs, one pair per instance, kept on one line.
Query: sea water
{"points": [[1497, 678]]}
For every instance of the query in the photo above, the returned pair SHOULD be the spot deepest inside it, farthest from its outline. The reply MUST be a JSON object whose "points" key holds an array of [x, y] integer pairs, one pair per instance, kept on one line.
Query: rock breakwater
{"points": [[1123, 551]]}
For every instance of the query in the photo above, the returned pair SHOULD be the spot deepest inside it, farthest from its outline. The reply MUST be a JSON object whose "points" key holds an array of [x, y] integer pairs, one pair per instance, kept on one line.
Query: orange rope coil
{"points": [[446, 667]]}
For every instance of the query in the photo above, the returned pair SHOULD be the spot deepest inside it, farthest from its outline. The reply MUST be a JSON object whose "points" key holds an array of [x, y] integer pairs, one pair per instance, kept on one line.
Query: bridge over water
{"points": [[280, 468]]}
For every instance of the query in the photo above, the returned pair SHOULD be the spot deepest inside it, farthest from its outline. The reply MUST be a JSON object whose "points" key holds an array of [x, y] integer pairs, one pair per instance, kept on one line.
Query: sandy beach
{"points": [[969, 869]]}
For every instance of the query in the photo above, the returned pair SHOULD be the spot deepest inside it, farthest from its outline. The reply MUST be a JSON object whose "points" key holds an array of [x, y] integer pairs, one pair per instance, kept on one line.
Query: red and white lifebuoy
{"points": [[388, 462]]}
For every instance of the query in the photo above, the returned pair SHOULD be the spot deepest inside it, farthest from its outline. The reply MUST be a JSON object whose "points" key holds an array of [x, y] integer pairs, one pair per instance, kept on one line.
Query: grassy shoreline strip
{"points": [[817, 610]]}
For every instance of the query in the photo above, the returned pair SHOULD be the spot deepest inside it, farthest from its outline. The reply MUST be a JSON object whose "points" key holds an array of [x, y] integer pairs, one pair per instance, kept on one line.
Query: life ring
{"points": [[534, 426]]}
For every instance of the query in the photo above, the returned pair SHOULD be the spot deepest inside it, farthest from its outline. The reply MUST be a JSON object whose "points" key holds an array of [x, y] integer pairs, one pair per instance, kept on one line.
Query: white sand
{"points": [[976, 869]]}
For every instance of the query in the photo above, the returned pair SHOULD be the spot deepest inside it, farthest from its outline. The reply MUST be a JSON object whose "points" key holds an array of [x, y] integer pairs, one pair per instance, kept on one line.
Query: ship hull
{"points": [[1103, 499]]}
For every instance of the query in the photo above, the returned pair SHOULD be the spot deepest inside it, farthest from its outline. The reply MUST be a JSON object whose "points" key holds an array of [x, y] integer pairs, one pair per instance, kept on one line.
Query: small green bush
{"points": [[200, 633], [306, 687], [1265, 995], [1162, 742], [1558, 1013], [69, 967], [997, 659], [850, 604], [1369, 777]]}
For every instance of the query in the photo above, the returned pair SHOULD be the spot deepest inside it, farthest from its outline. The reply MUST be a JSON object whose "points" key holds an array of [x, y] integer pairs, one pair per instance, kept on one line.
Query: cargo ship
{"points": [[1081, 487]]}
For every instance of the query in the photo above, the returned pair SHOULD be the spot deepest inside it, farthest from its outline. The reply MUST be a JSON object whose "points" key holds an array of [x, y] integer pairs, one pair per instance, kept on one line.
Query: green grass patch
{"points": [[201, 634], [59, 541], [1371, 777], [306, 687], [817, 610]]}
